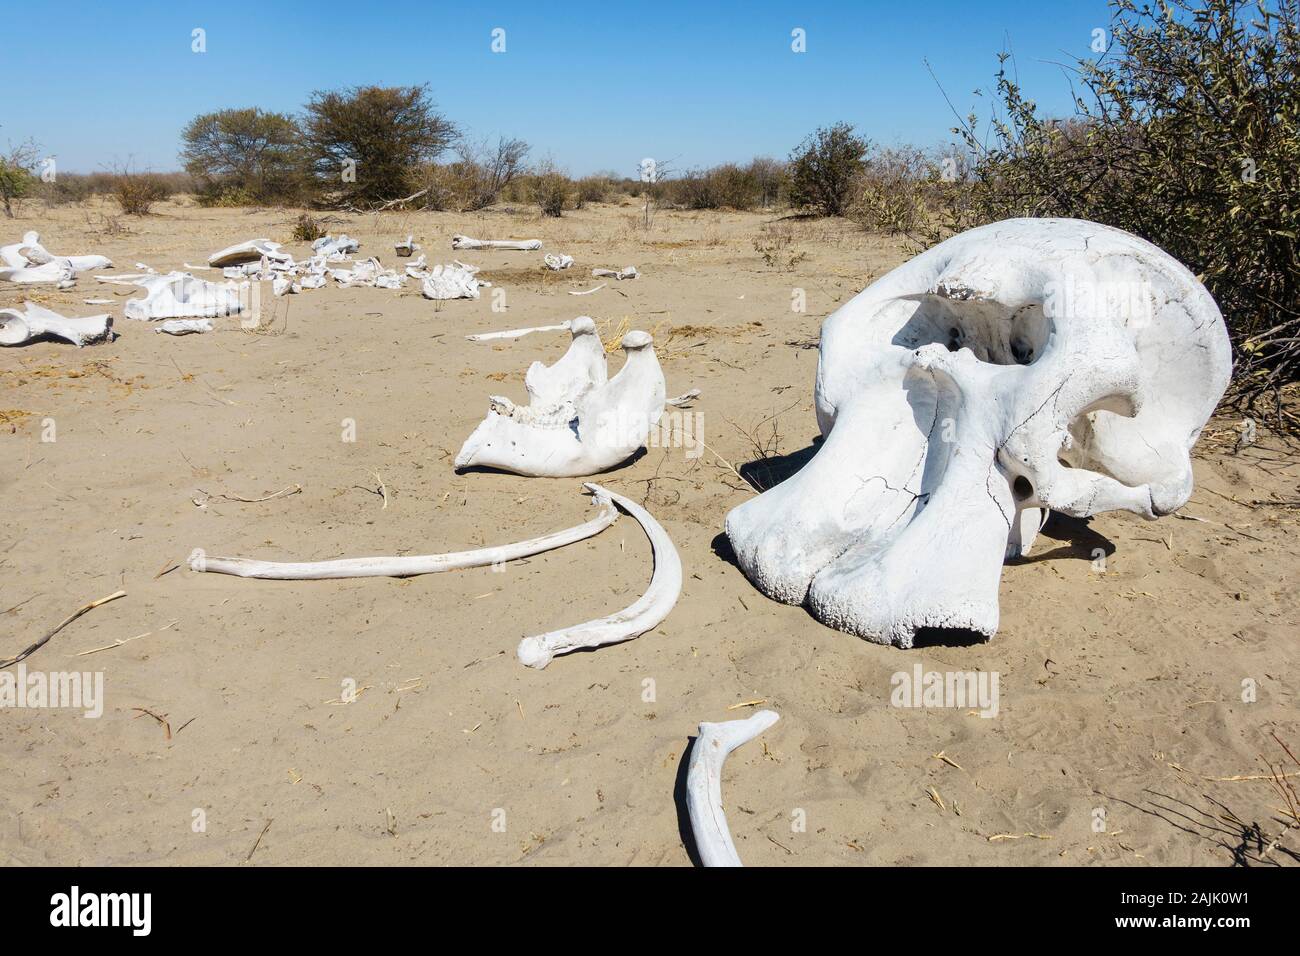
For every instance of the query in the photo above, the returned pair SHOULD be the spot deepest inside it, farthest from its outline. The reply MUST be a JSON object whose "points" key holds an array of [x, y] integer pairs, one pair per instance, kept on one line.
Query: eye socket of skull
{"points": [[995, 332]]}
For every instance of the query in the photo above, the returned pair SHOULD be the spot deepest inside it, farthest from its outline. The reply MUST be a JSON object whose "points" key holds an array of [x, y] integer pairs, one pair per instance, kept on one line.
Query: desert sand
{"points": [[1121, 689]]}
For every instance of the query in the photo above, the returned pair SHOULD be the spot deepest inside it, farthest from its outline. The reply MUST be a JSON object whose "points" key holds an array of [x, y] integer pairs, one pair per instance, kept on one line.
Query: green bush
{"points": [[244, 157], [1186, 133], [824, 168]]}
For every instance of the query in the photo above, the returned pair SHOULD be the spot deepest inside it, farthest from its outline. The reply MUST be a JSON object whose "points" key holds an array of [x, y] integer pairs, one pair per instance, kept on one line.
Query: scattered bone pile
{"points": [[1022, 367]]}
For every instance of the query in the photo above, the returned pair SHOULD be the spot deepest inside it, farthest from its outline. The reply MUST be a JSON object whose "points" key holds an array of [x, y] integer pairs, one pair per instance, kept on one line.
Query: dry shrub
{"points": [[307, 229], [137, 192], [551, 190]]}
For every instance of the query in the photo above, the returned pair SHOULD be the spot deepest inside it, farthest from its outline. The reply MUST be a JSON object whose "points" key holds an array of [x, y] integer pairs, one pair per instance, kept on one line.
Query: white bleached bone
{"points": [[704, 784], [56, 271], [285, 285], [557, 262], [179, 295], [184, 326], [603, 427], [403, 567], [516, 333], [578, 370], [18, 326], [334, 249], [407, 247], [590, 291], [455, 281], [519, 245], [648, 612], [254, 250], [684, 400], [627, 272], [1024, 366], [30, 253]]}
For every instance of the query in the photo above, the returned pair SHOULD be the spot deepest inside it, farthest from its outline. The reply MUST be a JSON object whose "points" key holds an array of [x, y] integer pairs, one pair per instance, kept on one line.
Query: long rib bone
{"points": [[704, 784], [647, 613], [401, 567], [521, 245], [517, 333]]}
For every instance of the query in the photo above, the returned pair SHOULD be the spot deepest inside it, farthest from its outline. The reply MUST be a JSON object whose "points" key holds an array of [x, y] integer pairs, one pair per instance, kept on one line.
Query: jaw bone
{"points": [[1026, 366], [521, 245], [402, 567], [580, 369], [17, 327], [646, 613], [704, 784], [604, 426]]}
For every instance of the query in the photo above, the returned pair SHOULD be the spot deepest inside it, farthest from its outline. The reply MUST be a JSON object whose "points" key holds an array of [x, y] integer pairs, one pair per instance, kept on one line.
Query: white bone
{"points": [[184, 326], [335, 249], [603, 427], [285, 285], [520, 245], [402, 567], [57, 271], [407, 247], [516, 333], [254, 250], [590, 291], [178, 295], [645, 614], [704, 784], [627, 272], [557, 262], [579, 370], [455, 281], [1024, 366], [32, 321], [30, 252], [684, 400]]}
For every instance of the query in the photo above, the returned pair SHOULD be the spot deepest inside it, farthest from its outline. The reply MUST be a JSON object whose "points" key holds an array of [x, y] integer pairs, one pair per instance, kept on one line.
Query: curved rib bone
{"points": [[401, 567], [647, 613], [517, 333], [522, 245], [704, 784]]}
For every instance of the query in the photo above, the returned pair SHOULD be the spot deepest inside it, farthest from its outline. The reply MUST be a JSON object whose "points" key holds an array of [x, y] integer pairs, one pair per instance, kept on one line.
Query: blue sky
{"points": [[592, 85]]}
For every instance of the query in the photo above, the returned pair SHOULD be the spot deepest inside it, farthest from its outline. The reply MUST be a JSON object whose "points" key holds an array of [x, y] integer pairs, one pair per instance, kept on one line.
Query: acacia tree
{"points": [[243, 152], [365, 144], [824, 167]]}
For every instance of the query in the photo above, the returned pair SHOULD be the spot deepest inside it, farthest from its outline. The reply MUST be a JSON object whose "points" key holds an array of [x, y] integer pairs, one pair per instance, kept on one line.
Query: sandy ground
{"points": [[1120, 692]]}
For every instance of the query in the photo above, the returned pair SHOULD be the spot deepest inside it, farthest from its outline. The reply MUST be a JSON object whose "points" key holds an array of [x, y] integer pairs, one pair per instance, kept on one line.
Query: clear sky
{"points": [[594, 86]]}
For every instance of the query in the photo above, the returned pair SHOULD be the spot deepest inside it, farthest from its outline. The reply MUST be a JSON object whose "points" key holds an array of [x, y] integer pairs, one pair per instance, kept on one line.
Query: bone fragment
{"points": [[704, 784]]}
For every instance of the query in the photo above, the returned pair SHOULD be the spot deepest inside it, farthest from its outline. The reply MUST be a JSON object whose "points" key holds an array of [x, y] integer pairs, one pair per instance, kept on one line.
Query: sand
{"points": [[1120, 692]]}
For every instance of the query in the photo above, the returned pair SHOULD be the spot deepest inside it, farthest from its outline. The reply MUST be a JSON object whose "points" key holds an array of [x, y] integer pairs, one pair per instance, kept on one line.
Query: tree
{"points": [[823, 169], [365, 144], [16, 176], [245, 152]]}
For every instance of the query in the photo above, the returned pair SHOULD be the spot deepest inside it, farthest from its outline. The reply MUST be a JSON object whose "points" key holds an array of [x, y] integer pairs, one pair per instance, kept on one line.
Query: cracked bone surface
{"points": [[32, 321], [402, 567], [1022, 367], [604, 425], [704, 784], [520, 245], [645, 614]]}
